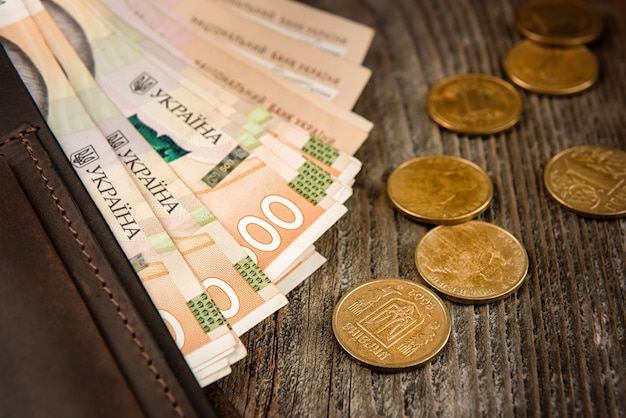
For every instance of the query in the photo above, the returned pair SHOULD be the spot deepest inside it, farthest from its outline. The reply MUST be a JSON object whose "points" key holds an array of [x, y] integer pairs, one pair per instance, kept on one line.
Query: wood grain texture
{"points": [[556, 347]]}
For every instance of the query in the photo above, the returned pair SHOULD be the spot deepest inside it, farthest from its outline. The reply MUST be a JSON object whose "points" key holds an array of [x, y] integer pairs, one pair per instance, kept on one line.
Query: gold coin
{"points": [[440, 189], [551, 69], [473, 262], [391, 324], [476, 104], [558, 22], [589, 180]]}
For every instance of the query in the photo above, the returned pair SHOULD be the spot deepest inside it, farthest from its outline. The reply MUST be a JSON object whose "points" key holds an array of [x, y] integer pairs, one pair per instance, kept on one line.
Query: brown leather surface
{"points": [[49, 339], [82, 336]]}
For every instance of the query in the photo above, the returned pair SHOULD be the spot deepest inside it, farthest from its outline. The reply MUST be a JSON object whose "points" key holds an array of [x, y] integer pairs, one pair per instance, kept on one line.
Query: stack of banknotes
{"points": [[215, 136]]}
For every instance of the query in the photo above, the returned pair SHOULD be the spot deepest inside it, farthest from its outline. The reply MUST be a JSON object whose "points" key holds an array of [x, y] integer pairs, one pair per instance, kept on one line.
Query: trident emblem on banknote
{"points": [[142, 83], [84, 156]]}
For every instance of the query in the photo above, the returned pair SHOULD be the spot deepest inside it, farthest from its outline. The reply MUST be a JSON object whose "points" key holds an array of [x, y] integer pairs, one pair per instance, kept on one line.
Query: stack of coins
{"points": [[554, 59], [588, 180], [394, 324]]}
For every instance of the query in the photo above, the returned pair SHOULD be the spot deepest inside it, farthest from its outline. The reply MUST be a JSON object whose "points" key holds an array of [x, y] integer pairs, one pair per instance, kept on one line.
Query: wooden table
{"points": [[556, 347]]}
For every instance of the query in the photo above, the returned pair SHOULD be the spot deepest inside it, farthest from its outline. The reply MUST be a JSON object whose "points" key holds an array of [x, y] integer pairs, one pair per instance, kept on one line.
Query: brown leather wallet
{"points": [[79, 335]]}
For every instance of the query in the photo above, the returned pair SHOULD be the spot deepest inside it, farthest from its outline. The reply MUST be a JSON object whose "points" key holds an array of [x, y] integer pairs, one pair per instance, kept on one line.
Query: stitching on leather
{"points": [[19, 135], [26, 143]]}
